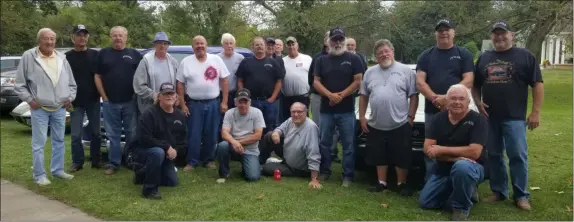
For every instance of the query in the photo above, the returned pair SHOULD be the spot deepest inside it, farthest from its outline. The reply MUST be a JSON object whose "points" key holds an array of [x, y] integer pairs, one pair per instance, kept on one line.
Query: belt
{"points": [[302, 95], [261, 97], [202, 100]]}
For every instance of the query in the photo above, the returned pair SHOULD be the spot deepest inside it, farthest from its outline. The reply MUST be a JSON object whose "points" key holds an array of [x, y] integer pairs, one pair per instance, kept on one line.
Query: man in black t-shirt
{"points": [[114, 80], [162, 139], [502, 78], [337, 76], [455, 140], [83, 62], [262, 75], [438, 68]]}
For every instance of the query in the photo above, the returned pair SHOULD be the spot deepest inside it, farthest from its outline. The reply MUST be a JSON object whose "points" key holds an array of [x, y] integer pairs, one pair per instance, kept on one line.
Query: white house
{"points": [[553, 48]]}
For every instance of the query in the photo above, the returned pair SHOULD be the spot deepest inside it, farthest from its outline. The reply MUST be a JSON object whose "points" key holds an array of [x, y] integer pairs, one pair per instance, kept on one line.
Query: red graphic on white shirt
{"points": [[210, 73]]}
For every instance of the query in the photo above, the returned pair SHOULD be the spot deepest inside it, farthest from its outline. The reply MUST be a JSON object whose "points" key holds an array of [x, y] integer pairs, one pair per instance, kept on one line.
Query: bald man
{"points": [[296, 141], [352, 48], [199, 78]]}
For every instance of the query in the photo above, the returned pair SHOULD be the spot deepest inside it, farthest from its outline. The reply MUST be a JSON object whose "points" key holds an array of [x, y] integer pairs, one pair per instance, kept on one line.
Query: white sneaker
{"points": [[220, 180], [43, 181], [273, 160], [64, 176]]}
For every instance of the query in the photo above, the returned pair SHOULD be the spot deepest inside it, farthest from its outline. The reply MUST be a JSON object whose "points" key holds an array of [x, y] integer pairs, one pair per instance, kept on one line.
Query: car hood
{"points": [[23, 110], [420, 114]]}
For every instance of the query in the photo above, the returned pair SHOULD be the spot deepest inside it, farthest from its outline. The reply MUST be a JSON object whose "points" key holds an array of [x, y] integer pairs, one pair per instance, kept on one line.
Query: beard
{"points": [[386, 63], [337, 50]]}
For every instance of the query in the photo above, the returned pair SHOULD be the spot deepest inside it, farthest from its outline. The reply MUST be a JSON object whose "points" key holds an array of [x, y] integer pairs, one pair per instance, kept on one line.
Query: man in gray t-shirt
{"points": [[241, 132], [391, 88], [232, 62]]}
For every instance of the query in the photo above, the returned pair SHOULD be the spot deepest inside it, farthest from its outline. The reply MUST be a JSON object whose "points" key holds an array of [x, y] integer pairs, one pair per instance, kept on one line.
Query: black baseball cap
{"points": [[166, 88], [270, 41], [243, 93], [501, 25], [80, 28], [444, 23], [337, 33]]}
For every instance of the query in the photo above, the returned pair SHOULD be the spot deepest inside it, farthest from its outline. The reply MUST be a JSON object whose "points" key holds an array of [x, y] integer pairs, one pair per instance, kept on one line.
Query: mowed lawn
{"points": [[198, 197]]}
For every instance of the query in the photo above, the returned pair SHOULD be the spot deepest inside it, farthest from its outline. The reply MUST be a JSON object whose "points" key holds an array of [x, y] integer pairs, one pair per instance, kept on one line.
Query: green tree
{"points": [[20, 22]]}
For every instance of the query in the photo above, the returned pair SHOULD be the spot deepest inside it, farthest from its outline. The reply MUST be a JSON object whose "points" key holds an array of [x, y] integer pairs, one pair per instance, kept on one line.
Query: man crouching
{"points": [[162, 130], [241, 131], [455, 140], [296, 141]]}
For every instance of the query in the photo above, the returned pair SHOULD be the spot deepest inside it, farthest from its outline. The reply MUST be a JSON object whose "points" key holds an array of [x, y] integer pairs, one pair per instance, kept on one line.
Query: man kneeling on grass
{"points": [[296, 141], [162, 130], [241, 131], [455, 139]]}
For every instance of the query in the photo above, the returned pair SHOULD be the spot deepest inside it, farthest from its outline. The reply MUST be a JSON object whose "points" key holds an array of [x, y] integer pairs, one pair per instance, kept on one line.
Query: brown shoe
{"points": [[110, 171], [187, 168], [75, 168], [523, 205], [211, 165], [492, 198]]}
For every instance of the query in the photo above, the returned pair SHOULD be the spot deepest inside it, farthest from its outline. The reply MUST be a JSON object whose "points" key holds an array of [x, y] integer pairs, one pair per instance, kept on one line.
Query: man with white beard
{"points": [[388, 86], [337, 76]]}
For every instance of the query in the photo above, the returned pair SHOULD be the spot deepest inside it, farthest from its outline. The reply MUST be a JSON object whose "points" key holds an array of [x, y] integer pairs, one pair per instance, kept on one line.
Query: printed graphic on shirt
{"points": [[210, 73], [455, 57], [268, 65], [345, 63], [177, 122], [299, 64], [499, 72], [126, 56]]}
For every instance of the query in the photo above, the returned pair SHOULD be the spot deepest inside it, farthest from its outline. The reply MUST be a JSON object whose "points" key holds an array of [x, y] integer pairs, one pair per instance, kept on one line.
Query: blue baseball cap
{"points": [[161, 36]]}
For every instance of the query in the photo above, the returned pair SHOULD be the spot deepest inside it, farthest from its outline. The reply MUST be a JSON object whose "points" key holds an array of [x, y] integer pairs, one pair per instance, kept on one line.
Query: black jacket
{"points": [[157, 128]]}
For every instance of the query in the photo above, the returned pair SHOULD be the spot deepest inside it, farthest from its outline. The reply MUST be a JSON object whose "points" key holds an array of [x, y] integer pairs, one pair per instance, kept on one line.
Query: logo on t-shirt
{"points": [[499, 72], [210, 73], [346, 63], [126, 56], [455, 57], [268, 65], [468, 122], [177, 122], [298, 64]]}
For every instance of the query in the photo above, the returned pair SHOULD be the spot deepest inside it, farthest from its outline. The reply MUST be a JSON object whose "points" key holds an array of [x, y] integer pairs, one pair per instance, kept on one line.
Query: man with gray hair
{"points": [[352, 48], [156, 67], [295, 87], [455, 141], [279, 47], [45, 81], [391, 88], [232, 60], [337, 77], [114, 80]]}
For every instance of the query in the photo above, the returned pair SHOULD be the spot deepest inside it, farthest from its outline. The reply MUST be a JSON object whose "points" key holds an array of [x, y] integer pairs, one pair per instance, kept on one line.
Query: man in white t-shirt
{"points": [[295, 85], [199, 78]]}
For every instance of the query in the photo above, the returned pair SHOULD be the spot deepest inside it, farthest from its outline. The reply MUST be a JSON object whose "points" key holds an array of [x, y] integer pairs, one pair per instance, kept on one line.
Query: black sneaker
{"points": [[75, 168], [152, 196], [98, 165], [378, 188], [405, 190]]}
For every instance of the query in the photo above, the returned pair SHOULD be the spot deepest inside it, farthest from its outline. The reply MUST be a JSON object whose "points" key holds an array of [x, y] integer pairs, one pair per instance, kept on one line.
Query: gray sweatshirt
{"points": [[144, 81], [301, 145], [33, 83]]}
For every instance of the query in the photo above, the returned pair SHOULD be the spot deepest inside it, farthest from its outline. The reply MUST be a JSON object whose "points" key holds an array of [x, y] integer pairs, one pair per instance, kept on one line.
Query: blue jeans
{"points": [[203, 126], [430, 164], [158, 170], [119, 117], [509, 135], [92, 111], [345, 123], [57, 121], [452, 191], [250, 163], [270, 113]]}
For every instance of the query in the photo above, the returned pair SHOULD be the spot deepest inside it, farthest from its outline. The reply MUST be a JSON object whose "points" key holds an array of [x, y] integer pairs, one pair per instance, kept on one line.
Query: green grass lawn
{"points": [[198, 197]]}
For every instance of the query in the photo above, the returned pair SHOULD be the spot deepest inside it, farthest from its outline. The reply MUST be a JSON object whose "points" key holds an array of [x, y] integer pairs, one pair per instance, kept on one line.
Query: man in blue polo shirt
{"points": [[438, 68]]}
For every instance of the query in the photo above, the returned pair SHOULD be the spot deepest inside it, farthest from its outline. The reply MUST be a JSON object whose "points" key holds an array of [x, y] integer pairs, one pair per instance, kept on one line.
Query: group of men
{"points": [[263, 101]]}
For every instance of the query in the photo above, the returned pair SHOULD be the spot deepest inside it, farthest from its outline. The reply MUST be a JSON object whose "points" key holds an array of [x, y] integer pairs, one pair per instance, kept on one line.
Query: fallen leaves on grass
{"points": [[383, 205], [569, 208], [534, 188], [260, 196]]}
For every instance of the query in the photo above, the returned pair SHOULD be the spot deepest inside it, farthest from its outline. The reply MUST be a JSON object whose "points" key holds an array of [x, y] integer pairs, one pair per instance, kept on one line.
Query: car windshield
{"points": [[10, 64], [179, 56]]}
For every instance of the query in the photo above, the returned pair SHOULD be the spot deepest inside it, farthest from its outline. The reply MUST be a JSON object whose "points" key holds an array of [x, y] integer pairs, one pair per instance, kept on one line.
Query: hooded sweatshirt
{"points": [[33, 82], [144, 79]]}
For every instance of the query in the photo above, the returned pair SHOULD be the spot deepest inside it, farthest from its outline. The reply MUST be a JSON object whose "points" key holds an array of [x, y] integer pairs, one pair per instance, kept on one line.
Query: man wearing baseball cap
{"points": [[162, 139], [337, 76], [156, 67], [438, 68], [502, 79], [241, 131], [83, 60], [295, 87]]}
